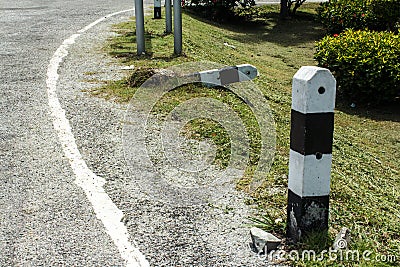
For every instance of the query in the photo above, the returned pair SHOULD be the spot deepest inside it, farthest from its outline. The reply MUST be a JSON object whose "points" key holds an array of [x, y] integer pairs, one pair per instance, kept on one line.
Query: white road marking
{"points": [[92, 184]]}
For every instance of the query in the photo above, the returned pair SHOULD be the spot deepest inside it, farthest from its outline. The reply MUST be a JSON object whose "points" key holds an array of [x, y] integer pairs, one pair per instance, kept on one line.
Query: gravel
{"points": [[214, 234]]}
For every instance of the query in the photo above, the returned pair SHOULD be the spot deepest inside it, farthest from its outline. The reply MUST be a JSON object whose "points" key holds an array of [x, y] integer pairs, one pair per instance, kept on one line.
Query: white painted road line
{"points": [[91, 184]]}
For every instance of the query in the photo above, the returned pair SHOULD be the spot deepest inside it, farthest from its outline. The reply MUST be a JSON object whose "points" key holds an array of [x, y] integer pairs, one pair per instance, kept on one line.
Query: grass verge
{"points": [[365, 185]]}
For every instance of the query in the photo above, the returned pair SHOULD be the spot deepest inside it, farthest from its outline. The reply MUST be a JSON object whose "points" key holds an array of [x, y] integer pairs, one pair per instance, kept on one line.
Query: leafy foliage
{"points": [[269, 223], [366, 64], [218, 10], [339, 15], [387, 13]]}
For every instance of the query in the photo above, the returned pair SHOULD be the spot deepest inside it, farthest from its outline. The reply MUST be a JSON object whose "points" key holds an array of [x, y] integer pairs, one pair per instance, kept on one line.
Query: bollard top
{"points": [[157, 3], [248, 70], [313, 90]]}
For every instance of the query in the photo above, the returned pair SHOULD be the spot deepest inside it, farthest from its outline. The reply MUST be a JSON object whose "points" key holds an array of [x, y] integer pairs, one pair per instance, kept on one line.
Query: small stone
{"points": [[131, 67], [231, 46], [263, 241], [353, 105], [342, 239]]}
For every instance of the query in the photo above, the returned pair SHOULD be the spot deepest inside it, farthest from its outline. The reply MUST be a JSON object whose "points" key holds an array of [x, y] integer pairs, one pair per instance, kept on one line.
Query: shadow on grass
{"points": [[270, 28], [389, 112]]}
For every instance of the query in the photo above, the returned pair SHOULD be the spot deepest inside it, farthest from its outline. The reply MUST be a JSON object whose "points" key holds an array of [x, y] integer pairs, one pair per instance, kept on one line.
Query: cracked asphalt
{"points": [[45, 218]]}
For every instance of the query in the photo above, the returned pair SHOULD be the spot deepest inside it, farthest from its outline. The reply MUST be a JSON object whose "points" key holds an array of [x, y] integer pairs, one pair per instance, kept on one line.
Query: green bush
{"points": [[387, 13], [217, 10], [366, 64], [339, 15]]}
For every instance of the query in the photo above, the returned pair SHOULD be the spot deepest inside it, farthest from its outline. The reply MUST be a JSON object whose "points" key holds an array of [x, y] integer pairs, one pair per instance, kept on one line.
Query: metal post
{"points": [[168, 16], [157, 9], [139, 14], [310, 158], [177, 27]]}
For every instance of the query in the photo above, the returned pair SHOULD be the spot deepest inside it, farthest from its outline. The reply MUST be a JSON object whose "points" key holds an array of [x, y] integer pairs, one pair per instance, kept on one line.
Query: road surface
{"points": [[45, 219]]}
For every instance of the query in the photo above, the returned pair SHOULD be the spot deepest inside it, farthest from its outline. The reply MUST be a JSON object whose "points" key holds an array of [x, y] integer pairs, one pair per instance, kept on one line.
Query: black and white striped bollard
{"points": [[157, 9], [310, 159]]}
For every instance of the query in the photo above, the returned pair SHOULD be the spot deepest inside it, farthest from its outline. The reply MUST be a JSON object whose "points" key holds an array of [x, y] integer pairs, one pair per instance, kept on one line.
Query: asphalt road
{"points": [[46, 219]]}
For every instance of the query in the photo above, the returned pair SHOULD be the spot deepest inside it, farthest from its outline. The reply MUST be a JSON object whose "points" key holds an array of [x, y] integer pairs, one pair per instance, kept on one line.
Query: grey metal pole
{"points": [[168, 16], [139, 14], [177, 27]]}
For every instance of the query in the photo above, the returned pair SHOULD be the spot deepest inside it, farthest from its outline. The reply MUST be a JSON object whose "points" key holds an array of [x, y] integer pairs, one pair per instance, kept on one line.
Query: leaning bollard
{"points": [[310, 158], [139, 14], [157, 9], [227, 75]]}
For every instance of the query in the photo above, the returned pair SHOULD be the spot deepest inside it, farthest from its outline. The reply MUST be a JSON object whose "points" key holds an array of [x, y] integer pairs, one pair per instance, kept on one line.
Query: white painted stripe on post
{"points": [[314, 90], [210, 76], [309, 176], [157, 3]]}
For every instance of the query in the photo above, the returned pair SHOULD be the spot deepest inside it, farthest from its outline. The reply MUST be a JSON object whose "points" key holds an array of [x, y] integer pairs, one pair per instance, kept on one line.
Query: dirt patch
{"points": [[140, 75]]}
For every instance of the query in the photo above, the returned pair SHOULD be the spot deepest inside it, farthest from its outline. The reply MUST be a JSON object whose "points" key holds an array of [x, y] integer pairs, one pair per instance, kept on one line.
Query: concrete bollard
{"points": [[310, 158], [228, 75], [157, 9]]}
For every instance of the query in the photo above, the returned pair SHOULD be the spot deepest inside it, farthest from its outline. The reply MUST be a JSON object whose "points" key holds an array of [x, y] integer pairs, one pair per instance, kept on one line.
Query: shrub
{"points": [[217, 10], [366, 64], [387, 13], [339, 15]]}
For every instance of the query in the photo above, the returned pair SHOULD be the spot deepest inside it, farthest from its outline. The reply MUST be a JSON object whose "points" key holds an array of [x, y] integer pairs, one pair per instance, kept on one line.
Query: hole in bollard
{"points": [[321, 90], [318, 155]]}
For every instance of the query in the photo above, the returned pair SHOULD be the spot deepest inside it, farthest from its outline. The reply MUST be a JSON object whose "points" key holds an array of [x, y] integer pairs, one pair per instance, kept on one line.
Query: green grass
{"points": [[201, 129], [365, 185]]}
